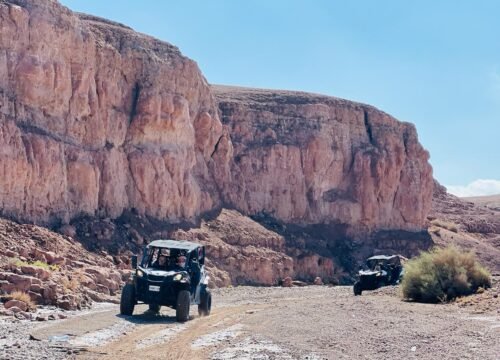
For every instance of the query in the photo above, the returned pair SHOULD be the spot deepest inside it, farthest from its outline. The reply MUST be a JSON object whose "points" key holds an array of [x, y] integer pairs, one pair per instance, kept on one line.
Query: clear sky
{"points": [[433, 63]]}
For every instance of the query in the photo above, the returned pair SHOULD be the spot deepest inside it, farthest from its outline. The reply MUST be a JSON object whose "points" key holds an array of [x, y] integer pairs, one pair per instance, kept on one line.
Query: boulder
{"points": [[287, 282], [36, 271], [16, 303], [24, 316], [15, 309], [36, 297]]}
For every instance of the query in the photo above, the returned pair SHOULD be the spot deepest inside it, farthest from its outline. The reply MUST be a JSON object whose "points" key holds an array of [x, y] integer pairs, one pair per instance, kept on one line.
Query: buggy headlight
{"points": [[177, 277], [140, 273]]}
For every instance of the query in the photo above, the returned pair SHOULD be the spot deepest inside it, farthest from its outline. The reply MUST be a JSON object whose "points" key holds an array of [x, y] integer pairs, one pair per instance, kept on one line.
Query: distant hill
{"points": [[491, 201], [471, 223]]}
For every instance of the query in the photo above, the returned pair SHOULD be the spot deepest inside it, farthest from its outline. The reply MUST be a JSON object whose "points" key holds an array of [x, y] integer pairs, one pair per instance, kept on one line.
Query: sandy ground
{"points": [[315, 322]]}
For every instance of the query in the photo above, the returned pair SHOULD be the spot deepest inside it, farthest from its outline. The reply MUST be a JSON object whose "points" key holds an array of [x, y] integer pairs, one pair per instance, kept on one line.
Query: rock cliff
{"points": [[308, 159], [98, 121], [96, 118]]}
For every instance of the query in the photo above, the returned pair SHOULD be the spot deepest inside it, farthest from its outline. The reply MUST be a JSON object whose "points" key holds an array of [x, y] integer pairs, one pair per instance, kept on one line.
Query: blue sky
{"points": [[433, 63]]}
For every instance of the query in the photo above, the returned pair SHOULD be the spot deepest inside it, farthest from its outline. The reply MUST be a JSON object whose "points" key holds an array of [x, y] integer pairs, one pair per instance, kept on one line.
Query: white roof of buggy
{"points": [[174, 244]]}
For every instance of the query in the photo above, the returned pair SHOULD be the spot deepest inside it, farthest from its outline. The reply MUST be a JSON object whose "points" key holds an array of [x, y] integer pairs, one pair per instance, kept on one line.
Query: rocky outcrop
{"points": [[469, 216], [308, 159], [51, 269], [96, 118], [466, 224], [242, 251]]}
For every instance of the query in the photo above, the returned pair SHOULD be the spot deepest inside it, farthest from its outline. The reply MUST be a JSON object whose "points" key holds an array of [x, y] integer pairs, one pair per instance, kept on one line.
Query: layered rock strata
{"points": [[307, 159], [98, 121]]}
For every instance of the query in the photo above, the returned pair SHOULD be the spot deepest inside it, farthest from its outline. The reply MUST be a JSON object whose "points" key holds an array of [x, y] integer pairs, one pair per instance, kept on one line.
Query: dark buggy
{"points": [[171, 273], [382, 270]]}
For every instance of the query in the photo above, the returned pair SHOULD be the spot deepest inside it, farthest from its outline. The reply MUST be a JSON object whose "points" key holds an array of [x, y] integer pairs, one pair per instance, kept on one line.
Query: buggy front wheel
{"points": [[127, 300]]}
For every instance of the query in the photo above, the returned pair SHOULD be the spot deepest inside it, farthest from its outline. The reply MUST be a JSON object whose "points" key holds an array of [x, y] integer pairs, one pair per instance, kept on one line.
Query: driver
{"points": [[160, 262]]}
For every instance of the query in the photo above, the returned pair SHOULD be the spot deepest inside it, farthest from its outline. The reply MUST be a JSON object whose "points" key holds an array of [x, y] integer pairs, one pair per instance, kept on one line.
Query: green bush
{"points": [[443, 274], [36, 263]]}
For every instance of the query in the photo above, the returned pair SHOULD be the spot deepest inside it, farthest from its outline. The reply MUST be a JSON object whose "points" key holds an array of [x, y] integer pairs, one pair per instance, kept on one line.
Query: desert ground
{"points": [[313, 322]]}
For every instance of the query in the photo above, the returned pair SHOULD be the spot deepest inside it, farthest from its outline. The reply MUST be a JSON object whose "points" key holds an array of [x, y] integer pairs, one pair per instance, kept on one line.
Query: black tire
{"points": [[154, 308], [205, 305], [357, 288], [127, 300], [182, 308]]}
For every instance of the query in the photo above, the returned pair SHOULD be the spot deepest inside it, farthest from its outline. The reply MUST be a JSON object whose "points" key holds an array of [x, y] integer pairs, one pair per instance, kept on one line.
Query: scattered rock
{"points": [[15, 309], [5, 312], [41, 318], [35, 271], [24, 315]]}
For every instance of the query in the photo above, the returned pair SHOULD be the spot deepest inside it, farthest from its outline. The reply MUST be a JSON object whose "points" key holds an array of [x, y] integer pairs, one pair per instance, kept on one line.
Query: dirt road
{"points": [[313, 322]]}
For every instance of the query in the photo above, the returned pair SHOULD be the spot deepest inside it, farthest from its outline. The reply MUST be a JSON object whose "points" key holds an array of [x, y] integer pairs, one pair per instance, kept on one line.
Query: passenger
{"points": [[181, 261]]}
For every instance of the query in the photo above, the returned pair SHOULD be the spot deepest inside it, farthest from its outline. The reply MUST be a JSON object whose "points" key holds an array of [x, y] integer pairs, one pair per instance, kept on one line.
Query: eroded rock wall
{"points": [[96, 118], [98, 121], [308, 159]]}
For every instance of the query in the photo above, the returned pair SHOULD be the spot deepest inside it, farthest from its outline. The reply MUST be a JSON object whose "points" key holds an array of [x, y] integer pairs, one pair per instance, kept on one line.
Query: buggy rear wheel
{"points": [[182, 308], [127, 300], [205, 305], [357, 288]]}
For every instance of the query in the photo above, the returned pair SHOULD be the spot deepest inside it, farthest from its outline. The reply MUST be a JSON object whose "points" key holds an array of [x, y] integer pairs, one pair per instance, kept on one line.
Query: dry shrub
{"points": [[445, 225], [22, 296], [443, 274], [71, 283], [435, 230]]}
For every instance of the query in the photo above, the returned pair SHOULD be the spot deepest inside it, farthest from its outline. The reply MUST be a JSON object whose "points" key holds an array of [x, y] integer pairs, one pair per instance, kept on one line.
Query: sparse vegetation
{"points": [[435, 230], [442, 275], [22, 296], [445, 225], [36, 263], [71, 283]]}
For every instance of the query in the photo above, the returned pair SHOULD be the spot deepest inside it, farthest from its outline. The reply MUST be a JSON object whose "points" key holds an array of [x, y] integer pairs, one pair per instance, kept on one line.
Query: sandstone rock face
{"points": [[98, 121], [95, 119], [306, 159]]}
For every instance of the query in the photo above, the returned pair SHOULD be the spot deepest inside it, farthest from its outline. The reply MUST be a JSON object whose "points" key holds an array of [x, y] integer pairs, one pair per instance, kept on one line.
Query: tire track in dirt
{"points": [[178, 346]]}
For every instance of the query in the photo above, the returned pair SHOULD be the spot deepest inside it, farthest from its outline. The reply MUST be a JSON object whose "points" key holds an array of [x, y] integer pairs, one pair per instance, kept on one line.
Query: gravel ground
{"points": [[333, 324], [314, 322]]}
